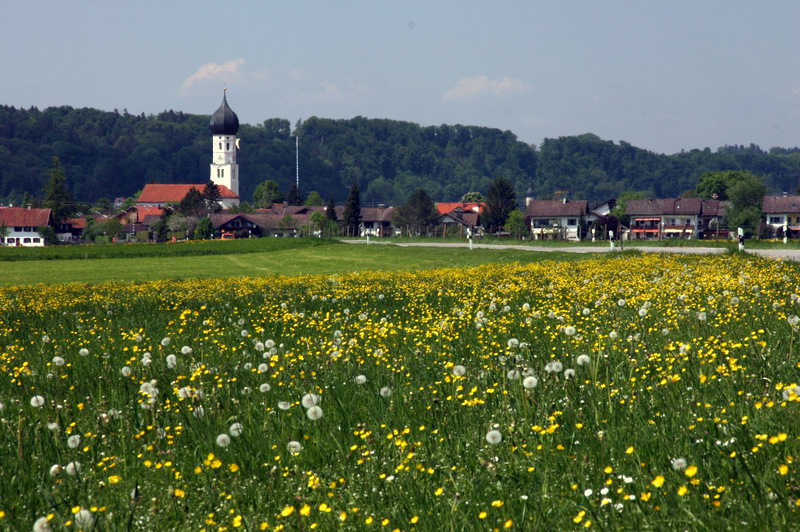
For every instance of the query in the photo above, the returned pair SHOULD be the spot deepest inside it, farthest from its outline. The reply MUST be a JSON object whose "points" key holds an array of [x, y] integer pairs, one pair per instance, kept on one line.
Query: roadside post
{"points": [[611, 239], [740, 233]]}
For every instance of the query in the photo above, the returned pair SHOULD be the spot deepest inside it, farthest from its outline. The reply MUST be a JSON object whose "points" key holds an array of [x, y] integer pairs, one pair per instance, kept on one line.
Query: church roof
{"points": [[160, 194], [224, 121]]}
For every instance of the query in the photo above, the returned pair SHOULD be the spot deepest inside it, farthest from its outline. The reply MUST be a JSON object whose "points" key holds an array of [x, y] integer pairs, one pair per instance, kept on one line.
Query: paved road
{"points": [[788, 253]]}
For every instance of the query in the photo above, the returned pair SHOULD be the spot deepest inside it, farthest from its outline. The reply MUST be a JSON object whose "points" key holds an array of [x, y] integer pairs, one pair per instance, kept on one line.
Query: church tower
{"points": [[224, 126]]}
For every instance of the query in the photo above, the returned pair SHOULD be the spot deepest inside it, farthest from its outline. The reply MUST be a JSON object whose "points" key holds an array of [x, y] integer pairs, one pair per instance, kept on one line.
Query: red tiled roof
{"points": [[556, 208], [447, 208], [22, 217], [781, 204], [175, 193]]}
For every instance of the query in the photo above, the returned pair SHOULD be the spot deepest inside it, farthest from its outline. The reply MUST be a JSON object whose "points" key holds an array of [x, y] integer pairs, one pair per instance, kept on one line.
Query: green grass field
{"points": [[434, 389]]}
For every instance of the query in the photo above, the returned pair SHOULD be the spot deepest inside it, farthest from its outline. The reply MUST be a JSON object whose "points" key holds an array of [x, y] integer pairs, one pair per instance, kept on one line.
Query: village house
{"points": [[556, 219], [675, 218], [783, 214], [19, 226]]}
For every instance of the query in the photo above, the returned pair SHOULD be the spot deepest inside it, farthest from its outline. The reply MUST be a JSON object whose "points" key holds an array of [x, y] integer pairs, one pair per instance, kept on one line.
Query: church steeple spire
{"points": [[224, 126]]}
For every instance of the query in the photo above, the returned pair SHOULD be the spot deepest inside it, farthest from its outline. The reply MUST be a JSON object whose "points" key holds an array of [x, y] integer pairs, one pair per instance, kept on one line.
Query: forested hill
{"points": [[112, 154]]}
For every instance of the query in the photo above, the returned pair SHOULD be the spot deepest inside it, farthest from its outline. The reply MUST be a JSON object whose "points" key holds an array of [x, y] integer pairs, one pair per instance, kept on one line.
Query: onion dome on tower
{"points": [[224, 121]]}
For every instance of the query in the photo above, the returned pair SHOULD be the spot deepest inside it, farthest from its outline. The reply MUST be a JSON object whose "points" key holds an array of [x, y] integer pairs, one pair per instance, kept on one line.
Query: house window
{"points": [[36, 240], [220, 146], [18, 229], [26, 240], [572, 222], [776, 219], [228, 146], [10, 240]]}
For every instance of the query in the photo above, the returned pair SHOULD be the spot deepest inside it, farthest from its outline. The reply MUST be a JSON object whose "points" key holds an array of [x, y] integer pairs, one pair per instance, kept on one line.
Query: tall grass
{"points": [[636, 392]]}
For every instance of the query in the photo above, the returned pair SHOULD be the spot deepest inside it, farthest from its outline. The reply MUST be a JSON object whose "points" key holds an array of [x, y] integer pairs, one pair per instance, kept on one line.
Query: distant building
{"points": [[162, 195], [556, 219], [224, 126], [20, 226]]}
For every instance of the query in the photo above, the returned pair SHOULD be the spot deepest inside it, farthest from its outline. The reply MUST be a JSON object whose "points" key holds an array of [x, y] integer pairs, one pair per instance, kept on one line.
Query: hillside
{"points": [[112, 154]]}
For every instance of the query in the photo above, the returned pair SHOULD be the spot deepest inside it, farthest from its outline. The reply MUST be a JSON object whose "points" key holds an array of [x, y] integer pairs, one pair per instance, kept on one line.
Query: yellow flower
{"points": [[508, 524], [343, 516], [482, 515], [438, 491], [682, 491], [287, 511], [497, 504], [414, 520], [783, 469], [233, 468], [305, 510], [691, 471], [658, 481], [113, 479], [629, 450], [179, 493], [608, 470]]}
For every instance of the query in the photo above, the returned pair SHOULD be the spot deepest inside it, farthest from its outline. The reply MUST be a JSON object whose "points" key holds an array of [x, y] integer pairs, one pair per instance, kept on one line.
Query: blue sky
{"points": [[663, 76]]}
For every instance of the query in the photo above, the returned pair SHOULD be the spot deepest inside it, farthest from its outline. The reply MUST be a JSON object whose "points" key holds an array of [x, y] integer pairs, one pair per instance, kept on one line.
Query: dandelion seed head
{"points": [[530, 382], [236, 429], [582, 360], [37, 401], [360, 379], [494, 437], [314, 413], [223, 440], [294, 447]]}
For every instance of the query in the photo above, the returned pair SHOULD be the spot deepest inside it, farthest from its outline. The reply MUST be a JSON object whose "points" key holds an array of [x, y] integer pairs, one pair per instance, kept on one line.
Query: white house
{"points": [[20, 226], [553, 219]]}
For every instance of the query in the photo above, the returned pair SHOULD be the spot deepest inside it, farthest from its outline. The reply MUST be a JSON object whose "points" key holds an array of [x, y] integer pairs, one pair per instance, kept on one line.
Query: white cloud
{"points": [[225, 72], [482, 85]]}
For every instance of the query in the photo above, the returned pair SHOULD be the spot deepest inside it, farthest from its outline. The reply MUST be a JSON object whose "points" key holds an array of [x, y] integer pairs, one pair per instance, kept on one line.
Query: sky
{"points": [[665, 76]]}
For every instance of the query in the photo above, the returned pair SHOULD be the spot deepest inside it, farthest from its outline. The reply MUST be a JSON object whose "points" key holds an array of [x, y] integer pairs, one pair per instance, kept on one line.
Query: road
{"points": [[786, 254]]}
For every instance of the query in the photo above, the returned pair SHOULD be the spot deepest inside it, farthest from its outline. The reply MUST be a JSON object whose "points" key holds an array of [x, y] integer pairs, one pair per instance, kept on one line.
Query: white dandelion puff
{"points": [[83, 519], [125, 371], [172, 361], [530, 382], [679, 464], [166, 341], [310, 400], [386, 391], [459, 371], [223, 440], [55, 470], [37, 401], [265, 387], [294, 447], [236, 429], [73, 468], [59, 361], [360, 379], [494, 437], [582, 360], [314, 413], [74, 441], [284, 405], [569, 373], [186, 350], [569, 330]]}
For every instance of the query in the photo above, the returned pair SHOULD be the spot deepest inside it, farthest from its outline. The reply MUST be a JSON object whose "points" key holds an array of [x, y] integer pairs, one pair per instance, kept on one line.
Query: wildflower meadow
{"points": [[633, 392]]}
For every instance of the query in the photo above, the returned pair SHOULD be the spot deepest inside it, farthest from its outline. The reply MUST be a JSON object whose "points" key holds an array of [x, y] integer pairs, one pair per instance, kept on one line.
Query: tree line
{"points": [[114, 154]]}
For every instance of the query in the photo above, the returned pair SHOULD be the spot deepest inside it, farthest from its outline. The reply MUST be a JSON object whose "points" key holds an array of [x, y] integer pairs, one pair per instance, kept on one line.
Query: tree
{"points": [[714, 185], [314, 200], [48, 234], [351, 217], [193, 204], [330, 210], [419, 210], [243, 207], [473, 197], [295, 196], [267, 193], [56, 196], [500, 201], [211, 197], [619, 210], [746, 196], [204, 229], [515, 223]]}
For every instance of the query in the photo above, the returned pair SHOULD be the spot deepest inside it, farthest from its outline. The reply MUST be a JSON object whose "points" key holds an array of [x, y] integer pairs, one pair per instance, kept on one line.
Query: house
{"points": [[783, 212], [377, 221], [556, 219], [675, 218], [460, 215], [19, 226], [154, 195]]}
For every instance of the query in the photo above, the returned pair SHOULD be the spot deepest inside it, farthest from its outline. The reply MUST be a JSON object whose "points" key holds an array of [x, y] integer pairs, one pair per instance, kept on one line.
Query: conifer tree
{"points": [[352, 211], [57, 197]]}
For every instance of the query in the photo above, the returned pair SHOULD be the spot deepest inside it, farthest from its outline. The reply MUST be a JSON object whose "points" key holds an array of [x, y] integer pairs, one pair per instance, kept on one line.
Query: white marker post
{"points": [[611, 239], [740, 233], [469, 237]]}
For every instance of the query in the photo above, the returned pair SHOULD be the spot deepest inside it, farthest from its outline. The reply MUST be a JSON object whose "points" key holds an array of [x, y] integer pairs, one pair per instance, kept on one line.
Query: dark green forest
{"points": [[113, 154]]}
